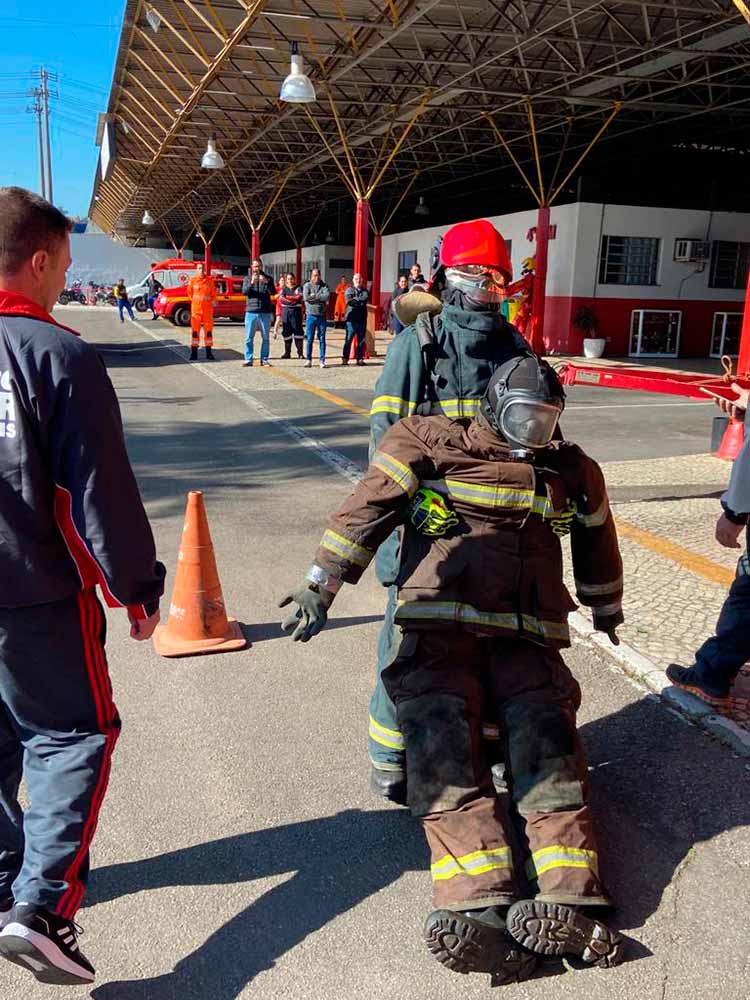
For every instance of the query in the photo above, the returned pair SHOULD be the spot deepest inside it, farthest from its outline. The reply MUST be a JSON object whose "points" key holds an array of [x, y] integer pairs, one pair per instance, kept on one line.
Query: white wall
{"points": [[99, 258], [321, 256]]}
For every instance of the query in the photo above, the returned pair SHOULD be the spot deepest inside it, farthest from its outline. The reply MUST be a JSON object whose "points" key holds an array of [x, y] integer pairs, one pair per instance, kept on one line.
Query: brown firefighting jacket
{"points": [[499, 570]]}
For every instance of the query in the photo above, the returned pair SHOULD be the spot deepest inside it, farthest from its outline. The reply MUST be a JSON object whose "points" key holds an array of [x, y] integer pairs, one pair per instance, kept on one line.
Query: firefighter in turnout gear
{"points": [[481, 615], [438, 364], [201, 291]]}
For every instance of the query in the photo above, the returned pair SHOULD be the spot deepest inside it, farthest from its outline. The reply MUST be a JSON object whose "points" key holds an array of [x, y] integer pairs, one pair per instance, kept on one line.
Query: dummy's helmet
{"points": [[528, 264], [524, 400]]}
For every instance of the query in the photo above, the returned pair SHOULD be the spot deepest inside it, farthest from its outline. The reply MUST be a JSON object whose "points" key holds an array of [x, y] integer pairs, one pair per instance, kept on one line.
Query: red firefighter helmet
{"points": [[476, 242]]}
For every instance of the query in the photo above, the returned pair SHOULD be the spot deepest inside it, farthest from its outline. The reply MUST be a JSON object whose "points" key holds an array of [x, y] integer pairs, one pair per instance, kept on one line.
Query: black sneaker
{"points": [[389, 785], [685, 678], [193, 353], [45, 945], [477, 941], [210, 354], [554, 929]]}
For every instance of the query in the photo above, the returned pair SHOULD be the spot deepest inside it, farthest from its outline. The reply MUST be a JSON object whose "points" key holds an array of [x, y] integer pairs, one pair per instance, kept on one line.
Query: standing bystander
{"points": [[316, 294], [415, 276], [719, 659], [122, 299], [258, 290], [356, 319], [401, 288], [153, 287], [291, 299], [71, 518]]}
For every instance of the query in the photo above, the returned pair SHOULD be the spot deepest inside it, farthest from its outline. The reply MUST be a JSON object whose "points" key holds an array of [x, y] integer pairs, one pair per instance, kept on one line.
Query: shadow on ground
{"points": [[659, 790]]}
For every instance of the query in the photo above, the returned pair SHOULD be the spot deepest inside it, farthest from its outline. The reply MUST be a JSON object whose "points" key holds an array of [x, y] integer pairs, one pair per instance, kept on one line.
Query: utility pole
{"points": [[45, 107], [37, 110]]}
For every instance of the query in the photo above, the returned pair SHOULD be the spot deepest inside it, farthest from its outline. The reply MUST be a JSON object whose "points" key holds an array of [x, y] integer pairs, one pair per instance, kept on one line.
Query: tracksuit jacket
{"points": [[499, 571], [71, 516]]}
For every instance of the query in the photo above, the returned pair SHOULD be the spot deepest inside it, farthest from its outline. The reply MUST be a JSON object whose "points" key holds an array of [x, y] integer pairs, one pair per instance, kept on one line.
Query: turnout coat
{"points": [[499, 571]]}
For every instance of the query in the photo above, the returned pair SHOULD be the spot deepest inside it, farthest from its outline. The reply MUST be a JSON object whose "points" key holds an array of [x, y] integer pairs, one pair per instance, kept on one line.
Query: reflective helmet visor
{"points": [[529, 423]]}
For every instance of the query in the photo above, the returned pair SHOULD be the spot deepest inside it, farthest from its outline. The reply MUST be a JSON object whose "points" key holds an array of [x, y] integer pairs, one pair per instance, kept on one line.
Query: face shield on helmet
{"points": [[477, 267], [523, 402], [483, 287]]}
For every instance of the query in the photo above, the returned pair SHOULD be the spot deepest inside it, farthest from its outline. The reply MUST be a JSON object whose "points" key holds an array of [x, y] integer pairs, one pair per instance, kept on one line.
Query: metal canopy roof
{"points": [[446, 82]]}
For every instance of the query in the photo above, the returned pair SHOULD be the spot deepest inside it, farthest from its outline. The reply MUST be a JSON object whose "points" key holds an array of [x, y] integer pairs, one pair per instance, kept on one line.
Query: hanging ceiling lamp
{"points": [[148, 219], [212, 159], [297, 88], [420, 208], [154, 19]]}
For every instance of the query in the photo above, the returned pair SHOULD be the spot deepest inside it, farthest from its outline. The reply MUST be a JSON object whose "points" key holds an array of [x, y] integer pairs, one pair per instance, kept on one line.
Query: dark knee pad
{"points": [[542, 758], [439, 752]]}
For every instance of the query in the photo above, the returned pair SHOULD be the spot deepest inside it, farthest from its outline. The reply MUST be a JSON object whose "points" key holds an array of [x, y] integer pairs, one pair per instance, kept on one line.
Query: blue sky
{"points": [[81, 49]]}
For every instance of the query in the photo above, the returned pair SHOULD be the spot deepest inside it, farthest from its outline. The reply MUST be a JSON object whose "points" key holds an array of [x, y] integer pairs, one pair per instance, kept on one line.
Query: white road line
{"points": [[332, 458]]}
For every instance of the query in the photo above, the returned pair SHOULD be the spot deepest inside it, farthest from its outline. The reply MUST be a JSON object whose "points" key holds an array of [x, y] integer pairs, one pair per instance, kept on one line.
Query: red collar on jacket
{"points": [[13, 304]]}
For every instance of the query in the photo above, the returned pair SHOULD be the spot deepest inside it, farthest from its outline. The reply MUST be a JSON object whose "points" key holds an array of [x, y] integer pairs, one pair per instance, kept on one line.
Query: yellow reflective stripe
{"points": [[558, 856], [387, 737], [341, 546], [467, 614], [596, 519], [476, 863], [393, 404], [490, 496], [598, 589], [457, 408], [400, 474]]}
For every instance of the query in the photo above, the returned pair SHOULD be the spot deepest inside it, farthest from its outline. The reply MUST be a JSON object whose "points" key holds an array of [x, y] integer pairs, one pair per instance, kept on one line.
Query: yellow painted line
{"points": [[322, 393], [691, 561]]}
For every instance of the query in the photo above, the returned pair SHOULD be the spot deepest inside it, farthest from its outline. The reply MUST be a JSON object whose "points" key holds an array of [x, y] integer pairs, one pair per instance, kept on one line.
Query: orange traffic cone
{"points": [[732, 440], [197, 620]]}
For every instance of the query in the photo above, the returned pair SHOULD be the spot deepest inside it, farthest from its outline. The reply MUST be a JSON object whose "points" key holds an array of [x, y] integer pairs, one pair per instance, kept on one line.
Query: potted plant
{"points": [[586, 320]]}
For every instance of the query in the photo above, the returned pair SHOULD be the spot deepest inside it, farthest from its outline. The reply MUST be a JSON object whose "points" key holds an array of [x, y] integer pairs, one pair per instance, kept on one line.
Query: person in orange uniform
{"points": [[340, 308], [202, 294]]}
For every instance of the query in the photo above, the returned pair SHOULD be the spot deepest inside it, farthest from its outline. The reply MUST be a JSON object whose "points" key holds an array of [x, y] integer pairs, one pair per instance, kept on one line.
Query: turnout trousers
{"points": [[58, 728], [445, 685], [202, 316]]}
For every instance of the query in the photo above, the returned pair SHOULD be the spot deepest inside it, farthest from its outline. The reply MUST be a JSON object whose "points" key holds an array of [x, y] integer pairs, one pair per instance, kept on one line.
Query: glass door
{"points": [[725, 335], [655, 333]]}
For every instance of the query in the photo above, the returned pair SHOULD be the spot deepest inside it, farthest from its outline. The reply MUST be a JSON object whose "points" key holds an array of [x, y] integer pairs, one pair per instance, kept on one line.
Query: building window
{"points": [[629, 260], [405, 260], [729, 264]]}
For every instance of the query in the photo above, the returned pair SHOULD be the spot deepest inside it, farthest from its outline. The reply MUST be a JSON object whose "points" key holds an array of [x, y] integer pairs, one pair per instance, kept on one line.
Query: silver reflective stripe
{"points": [[559, 856], [466, 614], [608, 609], [341, 546], [386, 737], [599, 589], [456, 408], [491, 496], [596, 519], [475, 863], [401, 474]]}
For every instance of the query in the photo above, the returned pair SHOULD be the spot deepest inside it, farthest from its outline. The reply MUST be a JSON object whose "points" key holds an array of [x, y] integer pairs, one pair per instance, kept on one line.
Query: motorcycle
{"points": [[74, 293]]}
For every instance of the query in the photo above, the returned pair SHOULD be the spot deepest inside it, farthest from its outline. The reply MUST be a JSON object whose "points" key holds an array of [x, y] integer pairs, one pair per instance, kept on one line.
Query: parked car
{"points": [[173, 303]]}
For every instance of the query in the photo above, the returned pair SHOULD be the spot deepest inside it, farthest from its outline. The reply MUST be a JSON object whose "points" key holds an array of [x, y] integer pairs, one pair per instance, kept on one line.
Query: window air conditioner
{"points": [[691, 250]]}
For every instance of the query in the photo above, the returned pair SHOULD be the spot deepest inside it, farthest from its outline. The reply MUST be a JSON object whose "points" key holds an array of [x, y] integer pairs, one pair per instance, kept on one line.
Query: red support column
{"points": [[207, 259], [377, 253], [298, 266], [743, 361], [255, 245], [361, 239], [540, 280]]}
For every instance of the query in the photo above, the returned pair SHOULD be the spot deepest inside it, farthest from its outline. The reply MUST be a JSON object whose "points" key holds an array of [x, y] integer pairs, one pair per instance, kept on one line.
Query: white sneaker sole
{"points": [[37, 954], [4, 917]]}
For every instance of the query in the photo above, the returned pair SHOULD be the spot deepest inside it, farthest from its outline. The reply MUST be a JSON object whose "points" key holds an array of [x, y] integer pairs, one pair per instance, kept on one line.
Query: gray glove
{"points": [[312, 612]]}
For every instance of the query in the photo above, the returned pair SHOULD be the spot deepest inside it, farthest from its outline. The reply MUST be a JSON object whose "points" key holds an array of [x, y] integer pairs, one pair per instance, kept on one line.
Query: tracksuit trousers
{"points": [[58, 728], [445, 685]]}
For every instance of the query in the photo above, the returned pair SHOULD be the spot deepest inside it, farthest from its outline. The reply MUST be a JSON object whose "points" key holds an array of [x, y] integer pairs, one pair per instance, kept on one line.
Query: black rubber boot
{"points": [[210, 354], [554, 929], [477, 941], [389, 785], [193, 353], [687, 679]]}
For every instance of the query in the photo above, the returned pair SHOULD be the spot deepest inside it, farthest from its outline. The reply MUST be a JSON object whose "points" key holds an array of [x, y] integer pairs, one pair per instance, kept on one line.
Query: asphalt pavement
{"points": [[240, 852]]}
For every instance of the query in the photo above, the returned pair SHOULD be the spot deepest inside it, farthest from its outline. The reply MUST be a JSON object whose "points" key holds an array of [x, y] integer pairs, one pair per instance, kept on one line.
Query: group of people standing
{"points": [[299, 313]]}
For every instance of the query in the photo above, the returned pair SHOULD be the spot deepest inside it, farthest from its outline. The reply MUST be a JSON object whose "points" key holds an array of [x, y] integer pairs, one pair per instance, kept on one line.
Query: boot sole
{"points": [[37, 954], [464, 945], [715, 701], [554, 929]]}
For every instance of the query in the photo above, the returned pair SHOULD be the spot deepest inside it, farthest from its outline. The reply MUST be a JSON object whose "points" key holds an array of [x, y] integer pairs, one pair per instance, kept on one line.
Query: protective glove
{"points": [[608, 624], [311, 613]]}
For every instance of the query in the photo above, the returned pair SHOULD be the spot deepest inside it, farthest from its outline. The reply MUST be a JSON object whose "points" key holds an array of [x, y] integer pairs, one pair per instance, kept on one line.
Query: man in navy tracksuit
{"points": [[71, 518]]}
